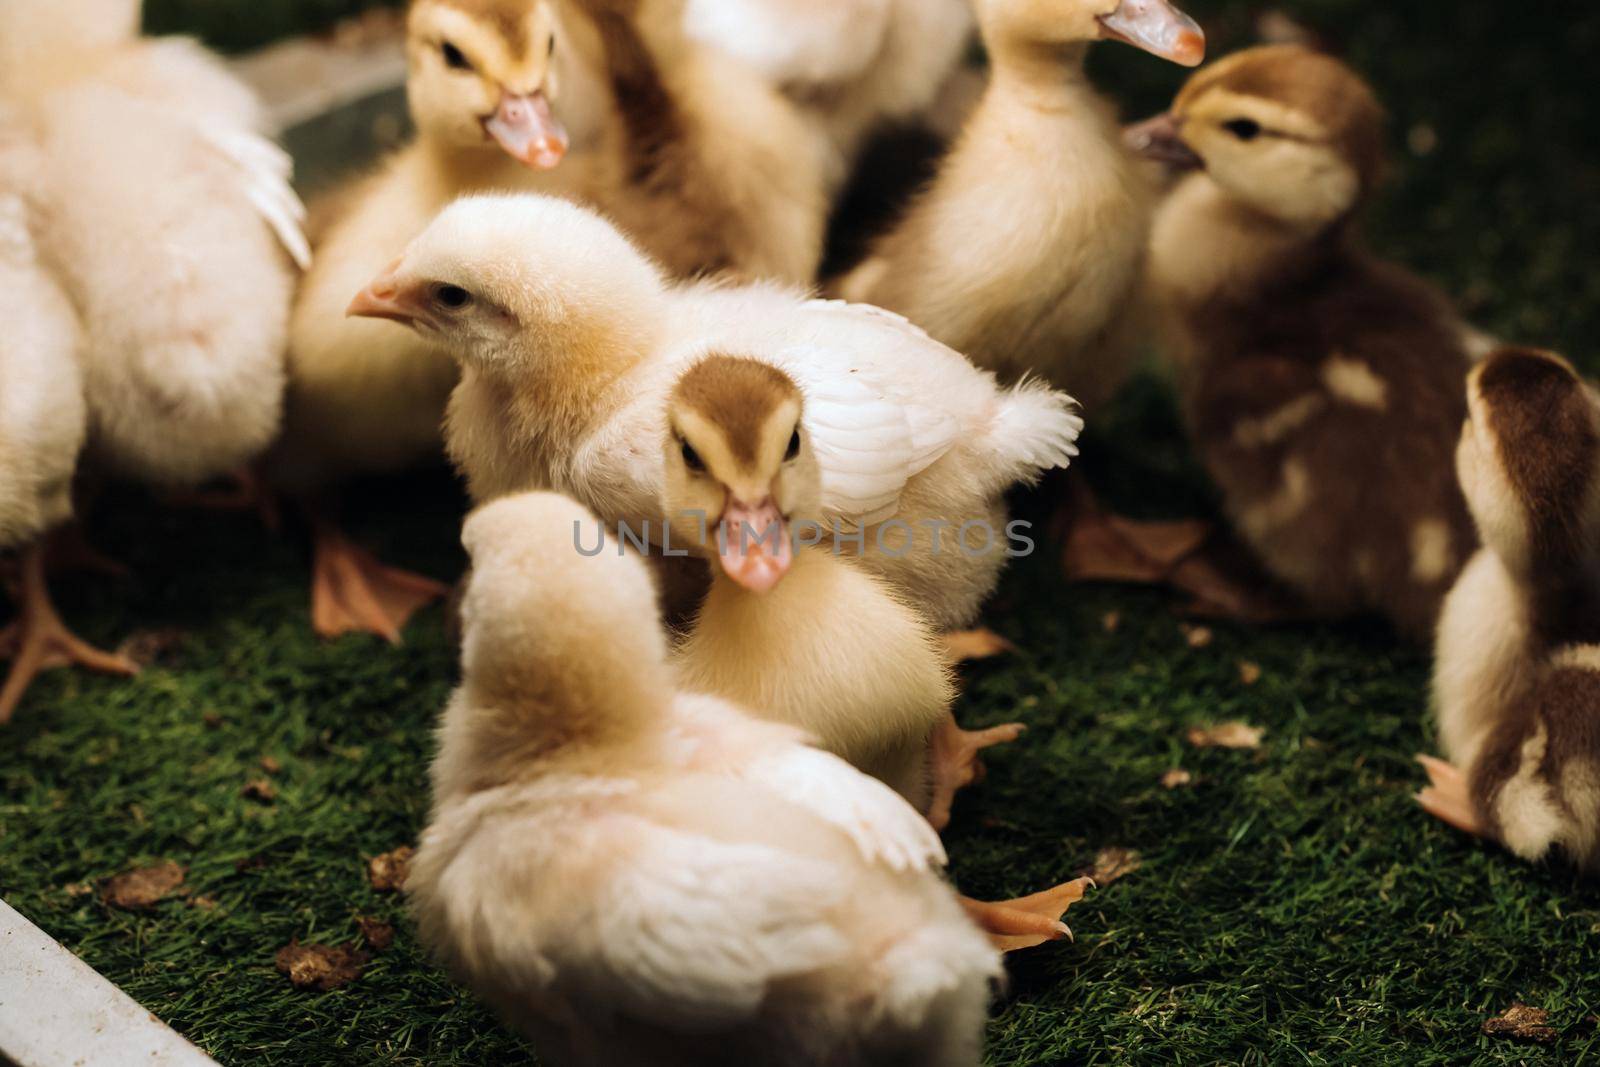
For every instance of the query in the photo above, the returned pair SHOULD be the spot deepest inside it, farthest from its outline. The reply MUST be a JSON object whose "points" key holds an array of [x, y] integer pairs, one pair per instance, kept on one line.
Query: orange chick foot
{"points": [[1448, 797], [38, 640], [351, 592], [1014, 925], [955, 762]]}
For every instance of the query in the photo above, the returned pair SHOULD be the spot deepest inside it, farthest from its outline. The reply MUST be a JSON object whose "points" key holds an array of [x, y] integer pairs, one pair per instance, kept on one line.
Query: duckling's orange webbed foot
{"points": [[1014, 925], [351, 592], [1448, 797], [955, 762], [38, 640]]}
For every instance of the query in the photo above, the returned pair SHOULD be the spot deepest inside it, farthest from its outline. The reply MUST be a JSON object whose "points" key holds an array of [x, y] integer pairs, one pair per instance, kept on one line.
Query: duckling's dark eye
{"points": [[451, 297], [1244, 129], [552, 46], [454, 58], [794, 446], [691, 458]]}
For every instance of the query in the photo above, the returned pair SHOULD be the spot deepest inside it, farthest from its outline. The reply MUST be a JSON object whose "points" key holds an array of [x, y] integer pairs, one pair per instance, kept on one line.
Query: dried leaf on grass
{"points": [[1226, 735], [323, 967], [204, 903], [378, 934], [270, 765], [1111, 621], [77, 889], [260, 789], [965, 645], [1113, 863], [1197, 636], [1176, 778], [388, 872], [1249, 673], [1522, 1023], [144, 886]]}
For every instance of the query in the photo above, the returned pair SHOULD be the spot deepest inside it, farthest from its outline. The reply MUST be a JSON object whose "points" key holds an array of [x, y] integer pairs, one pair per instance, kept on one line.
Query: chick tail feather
{"points": [[1035, 429]]}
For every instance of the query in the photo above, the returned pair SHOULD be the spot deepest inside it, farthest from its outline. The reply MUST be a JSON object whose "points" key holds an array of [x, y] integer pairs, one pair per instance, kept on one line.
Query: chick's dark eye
{"points": [[552, 50], [454, 58], [451, 297], [794, 446], [691, 458], [1244, 129]]}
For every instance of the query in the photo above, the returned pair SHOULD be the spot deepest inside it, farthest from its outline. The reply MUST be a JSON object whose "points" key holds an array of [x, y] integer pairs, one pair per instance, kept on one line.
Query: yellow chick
{"points": [[1027, 249], [572, 340], [502, 92], [631, 873], [43, 425], [1517, 671]]}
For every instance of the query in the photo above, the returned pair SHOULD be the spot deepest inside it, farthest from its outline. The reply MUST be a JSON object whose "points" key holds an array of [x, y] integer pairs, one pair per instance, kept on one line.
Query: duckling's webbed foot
{"points": [[955, 764], [352, 592], [1013, 925], [1448, 797], [38, 640]]}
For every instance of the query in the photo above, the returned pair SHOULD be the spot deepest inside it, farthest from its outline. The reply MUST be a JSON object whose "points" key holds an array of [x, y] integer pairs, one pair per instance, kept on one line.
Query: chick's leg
{"points": [[38, 640], [1013, 925], [351, 592], [1448, 797], [955, 762]]}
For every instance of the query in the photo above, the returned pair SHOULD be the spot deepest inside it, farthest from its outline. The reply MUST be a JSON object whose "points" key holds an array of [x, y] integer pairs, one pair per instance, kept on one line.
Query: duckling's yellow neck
{"points": [[1048, 77], [472, 169]]}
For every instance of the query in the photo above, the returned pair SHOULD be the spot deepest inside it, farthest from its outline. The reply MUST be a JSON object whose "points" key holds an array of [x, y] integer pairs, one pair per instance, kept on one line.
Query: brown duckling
{"points": [[1517, 673], [1322, 385]]}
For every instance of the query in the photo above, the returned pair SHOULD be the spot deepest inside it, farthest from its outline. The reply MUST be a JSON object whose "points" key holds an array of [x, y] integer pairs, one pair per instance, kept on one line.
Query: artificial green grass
{"points": [[1294, 905]]}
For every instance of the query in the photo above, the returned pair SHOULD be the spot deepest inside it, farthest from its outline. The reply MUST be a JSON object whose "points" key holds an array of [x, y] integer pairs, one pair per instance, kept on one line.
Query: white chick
{"points": [[851, 66], [572, 339], [594, 101], [634, 874], [172, 227], [43, 422]]}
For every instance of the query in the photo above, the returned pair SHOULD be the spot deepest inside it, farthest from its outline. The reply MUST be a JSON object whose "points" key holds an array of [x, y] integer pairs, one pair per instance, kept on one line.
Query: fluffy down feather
{"points": [[633, 875], [575, 342]]}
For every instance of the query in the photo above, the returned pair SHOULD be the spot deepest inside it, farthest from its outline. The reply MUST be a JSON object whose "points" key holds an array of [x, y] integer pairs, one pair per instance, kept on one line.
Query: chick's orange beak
{"points": [[1158, 28], [385, 298], [753, 545], [527, 129]]}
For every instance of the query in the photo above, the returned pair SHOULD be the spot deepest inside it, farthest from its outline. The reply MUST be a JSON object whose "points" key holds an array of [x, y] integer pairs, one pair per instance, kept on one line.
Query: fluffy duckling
{"points": [[852, 66], [631, 873], [1517, 676], [1027, 249], [502, 92], [1322, 386], [790, 627], [180, 259], [572, 341], [43, 423]]}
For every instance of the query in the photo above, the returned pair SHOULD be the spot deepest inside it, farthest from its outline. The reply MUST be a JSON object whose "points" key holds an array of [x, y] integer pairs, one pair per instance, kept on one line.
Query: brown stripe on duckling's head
{"points": [[1543, 422], [739, 395], [509, 18], [1341, 105]]}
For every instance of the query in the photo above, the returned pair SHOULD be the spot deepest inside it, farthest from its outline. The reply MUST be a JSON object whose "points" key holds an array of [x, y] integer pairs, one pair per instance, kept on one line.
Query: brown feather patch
{"points": [[508, 17], [1308, 81], [739, 395]]}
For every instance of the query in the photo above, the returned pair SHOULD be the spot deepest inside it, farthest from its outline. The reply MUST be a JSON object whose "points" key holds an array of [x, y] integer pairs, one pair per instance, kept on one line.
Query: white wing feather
{"points": [[878, 820], [266, 170], [696, 930]]}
